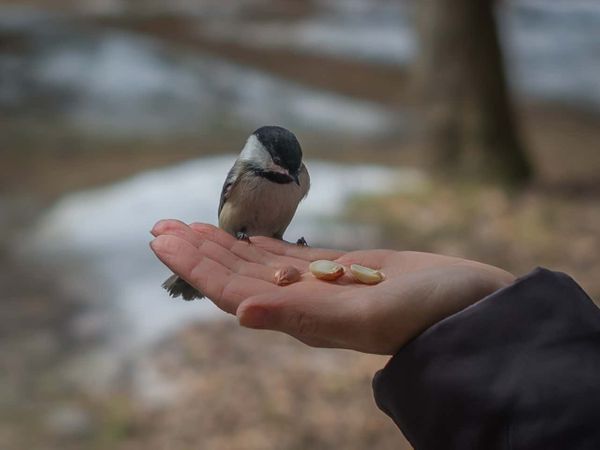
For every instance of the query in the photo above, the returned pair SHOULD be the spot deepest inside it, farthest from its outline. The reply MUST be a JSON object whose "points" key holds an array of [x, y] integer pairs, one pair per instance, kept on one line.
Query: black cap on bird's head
{"points": [[282, 145]]}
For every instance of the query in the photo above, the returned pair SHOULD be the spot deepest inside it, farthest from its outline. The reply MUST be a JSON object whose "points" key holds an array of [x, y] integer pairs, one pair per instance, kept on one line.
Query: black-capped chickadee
{"points": [[261, 193]]}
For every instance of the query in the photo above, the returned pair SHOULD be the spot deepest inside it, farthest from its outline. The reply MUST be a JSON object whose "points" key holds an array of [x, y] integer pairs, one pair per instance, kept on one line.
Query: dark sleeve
{"points": [[520, 369]]}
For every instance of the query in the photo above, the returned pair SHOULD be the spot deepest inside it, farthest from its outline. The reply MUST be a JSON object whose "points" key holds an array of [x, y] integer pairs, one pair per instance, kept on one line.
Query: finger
{"points": [[198, 233], [177, 228], [165, 225], [325, 320], [225, 288], [266, 250], [213, 233], [248, 252], [283, 248], [236, 264]]}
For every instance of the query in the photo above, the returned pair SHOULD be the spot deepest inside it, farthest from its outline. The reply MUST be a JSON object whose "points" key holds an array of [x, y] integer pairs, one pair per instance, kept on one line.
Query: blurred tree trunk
{"points": [[468, 118]]}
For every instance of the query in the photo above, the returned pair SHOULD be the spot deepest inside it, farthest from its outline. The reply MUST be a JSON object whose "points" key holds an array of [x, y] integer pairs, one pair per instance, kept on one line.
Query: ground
{"points": [[244, 389]]}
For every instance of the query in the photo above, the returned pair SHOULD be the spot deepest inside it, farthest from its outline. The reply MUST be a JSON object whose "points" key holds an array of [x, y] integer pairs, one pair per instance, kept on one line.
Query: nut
{"points": [[366, 275], [286, 275], [326, 270]]}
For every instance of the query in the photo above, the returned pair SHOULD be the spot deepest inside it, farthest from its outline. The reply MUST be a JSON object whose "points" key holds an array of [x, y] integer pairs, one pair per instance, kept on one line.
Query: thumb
{"points": [[275, 312], [323, 322]]}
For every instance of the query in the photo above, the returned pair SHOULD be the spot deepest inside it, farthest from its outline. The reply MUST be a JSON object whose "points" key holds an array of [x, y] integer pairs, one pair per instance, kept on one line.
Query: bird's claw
{"points": [[302, 242], [241, 236]]}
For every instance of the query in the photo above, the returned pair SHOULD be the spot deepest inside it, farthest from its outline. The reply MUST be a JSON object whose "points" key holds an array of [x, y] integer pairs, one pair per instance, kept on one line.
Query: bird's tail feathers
{"points": [[178, 287]]}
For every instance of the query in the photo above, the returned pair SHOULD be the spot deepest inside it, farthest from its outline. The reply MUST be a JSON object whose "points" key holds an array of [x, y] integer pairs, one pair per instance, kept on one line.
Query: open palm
{"points": [[419, 288]]}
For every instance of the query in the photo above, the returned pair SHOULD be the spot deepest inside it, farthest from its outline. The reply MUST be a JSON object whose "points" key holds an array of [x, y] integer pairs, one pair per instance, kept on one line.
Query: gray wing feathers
{"points": [[305, 180], [230, 181]]}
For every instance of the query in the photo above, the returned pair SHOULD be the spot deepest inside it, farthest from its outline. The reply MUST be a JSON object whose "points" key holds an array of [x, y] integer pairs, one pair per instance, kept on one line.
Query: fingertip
{"points": [[252, 316], [165, 225], [155, 231], [158, 243], [166, 245], [263, 306]]}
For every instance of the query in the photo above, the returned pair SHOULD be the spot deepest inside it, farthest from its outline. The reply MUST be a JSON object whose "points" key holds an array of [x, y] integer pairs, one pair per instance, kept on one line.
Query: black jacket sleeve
{"points": [[519, 369]]}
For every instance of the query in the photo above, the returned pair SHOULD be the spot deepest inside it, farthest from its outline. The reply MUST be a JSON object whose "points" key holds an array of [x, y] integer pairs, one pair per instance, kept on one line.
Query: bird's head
{"points": [[274, 149]]}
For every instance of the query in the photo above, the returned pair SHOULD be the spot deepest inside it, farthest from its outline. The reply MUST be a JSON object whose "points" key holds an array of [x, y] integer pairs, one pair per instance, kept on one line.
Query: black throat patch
{"points": [[275, 177]]}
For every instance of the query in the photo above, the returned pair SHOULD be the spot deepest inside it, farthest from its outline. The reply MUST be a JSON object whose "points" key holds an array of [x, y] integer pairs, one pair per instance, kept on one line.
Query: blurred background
{"points": [[465, 127]]}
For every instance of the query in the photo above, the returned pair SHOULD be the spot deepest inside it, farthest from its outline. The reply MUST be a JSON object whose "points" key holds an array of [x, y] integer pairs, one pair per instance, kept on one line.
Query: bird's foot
{"points": [[302, 242], [242, 236]]}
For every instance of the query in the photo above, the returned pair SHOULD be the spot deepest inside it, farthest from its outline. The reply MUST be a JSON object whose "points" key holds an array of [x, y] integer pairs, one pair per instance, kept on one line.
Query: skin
{"points": [[419, 289]]}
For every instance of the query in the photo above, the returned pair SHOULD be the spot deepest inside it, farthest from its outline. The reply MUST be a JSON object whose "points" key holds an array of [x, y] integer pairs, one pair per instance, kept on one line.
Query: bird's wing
{"points": [[231, 180], [304, 179]]}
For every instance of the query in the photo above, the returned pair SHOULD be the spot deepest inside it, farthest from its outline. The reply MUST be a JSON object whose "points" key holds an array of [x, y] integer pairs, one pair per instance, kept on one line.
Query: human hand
{"points": [[419, 289]]}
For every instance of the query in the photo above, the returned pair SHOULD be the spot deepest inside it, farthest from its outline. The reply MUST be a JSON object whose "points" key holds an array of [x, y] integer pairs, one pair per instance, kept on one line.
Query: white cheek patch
{"points": [[256, 153]]}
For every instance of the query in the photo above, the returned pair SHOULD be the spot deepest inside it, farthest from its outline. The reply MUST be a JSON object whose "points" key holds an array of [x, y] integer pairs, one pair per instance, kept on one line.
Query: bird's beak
{"points": [[295, 177]]}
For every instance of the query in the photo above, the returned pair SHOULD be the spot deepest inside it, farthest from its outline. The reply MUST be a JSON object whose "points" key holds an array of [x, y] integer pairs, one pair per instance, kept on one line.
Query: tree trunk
{"points": [[468, 119]]}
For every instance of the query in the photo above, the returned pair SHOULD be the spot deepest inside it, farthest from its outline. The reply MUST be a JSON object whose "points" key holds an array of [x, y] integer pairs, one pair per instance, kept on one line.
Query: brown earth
{"points": [[242, 389]]}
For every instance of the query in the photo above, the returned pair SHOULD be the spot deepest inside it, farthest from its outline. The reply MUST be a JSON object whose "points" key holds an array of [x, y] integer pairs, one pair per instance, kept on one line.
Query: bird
{"points": [[260, 194]]}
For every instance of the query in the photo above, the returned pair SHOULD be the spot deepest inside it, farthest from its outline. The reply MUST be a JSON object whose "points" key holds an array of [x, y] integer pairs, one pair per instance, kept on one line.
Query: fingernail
{"points": [[255, 317]]}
